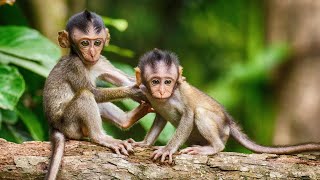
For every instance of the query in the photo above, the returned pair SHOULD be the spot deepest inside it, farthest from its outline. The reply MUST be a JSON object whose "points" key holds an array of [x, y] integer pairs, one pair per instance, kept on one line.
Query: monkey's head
{"points": [[85, 35], [159, 71]]}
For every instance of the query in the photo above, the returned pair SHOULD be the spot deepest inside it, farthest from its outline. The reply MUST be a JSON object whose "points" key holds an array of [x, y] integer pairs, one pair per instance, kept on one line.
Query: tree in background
{"points": [[298, 24]]}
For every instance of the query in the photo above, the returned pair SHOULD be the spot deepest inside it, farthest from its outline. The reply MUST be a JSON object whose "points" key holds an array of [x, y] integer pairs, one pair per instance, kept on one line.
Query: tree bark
{"points": [[84, 160], [297, 23]]}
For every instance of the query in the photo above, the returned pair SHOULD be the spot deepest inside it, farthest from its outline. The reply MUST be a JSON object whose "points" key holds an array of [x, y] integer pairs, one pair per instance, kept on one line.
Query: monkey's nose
{"points": [[92, 52]]}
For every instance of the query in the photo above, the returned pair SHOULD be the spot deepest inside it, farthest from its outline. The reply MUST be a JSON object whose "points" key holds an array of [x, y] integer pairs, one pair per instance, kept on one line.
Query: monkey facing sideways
{"points": [[199, 120], [73, 104]]}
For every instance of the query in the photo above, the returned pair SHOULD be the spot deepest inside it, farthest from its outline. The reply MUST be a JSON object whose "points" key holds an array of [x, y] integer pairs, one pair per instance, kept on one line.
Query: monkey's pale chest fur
{"points": [[169, 109], [98, 69]]}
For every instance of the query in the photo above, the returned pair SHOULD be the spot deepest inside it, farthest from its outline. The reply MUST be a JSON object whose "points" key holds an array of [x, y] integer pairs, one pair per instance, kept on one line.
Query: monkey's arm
{"points": [[116, 77], [123, 120], [181, 135], [117, 93], [158, 124]]}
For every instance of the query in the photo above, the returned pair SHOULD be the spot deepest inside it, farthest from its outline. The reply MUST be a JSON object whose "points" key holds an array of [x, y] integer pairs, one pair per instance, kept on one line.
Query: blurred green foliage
{"points": [[24, 48], [220, 44]]}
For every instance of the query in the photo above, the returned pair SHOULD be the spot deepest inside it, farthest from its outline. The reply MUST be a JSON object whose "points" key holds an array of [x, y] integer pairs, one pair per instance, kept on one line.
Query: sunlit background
{"points": [[260, 59]]}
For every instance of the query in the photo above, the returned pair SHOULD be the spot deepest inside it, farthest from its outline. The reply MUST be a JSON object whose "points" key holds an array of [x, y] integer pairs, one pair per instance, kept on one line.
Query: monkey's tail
{"points": [[243, 139], [58, 142]]}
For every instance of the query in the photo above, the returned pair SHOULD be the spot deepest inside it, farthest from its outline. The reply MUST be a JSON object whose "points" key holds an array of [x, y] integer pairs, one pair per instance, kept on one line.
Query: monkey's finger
{"points": [[153, 155], [164, 155], [128, 146], [156, 155], [193, 153], [185, 151], [123, 150], [116, 149], [170, 158]]}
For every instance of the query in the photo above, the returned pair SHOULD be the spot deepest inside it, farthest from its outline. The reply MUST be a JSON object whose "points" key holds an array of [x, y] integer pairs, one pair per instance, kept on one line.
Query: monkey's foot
{"points": [[118, 146], [163, 152], [202, 150]]}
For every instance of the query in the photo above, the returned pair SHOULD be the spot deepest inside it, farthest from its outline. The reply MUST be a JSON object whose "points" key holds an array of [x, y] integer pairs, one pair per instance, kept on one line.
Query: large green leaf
{"points": [[27, 64], [11, 134], [120, 51], [27, 43], [12, 86], [9, 117], [0, 120], [31, 121]]}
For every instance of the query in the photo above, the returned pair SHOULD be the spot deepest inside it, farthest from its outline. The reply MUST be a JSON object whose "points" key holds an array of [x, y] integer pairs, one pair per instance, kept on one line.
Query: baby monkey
{"points": [[73, 105], [199, 119]]}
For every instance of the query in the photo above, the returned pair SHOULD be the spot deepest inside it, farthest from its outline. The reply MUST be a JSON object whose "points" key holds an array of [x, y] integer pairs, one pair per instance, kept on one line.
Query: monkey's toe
{"points": [[202, 150]]}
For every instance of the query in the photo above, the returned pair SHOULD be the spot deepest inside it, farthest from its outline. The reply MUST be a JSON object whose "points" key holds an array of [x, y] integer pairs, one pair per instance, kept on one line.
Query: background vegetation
{"points": [[221, 46]]}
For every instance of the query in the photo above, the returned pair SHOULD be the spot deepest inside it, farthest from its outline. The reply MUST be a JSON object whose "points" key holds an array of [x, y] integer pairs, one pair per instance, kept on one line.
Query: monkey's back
{"points": [[57, 91], [197, 99]]}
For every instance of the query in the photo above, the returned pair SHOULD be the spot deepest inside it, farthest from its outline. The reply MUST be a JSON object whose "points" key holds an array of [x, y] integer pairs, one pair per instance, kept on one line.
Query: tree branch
{"points": [[84, 160]]}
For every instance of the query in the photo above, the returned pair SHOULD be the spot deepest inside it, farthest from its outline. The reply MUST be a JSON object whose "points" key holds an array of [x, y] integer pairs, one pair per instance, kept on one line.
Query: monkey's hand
{"points": [[138, 144], [147, 106], [137, 94], [163, 152]]}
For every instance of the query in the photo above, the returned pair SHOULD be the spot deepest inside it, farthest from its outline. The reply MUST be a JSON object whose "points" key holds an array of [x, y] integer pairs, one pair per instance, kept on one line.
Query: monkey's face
{"points": [[89, 44], [161, 80]]}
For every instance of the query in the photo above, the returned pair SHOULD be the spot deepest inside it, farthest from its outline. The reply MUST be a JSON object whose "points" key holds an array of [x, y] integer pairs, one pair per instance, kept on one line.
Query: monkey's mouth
{"points": [[163, 98], [91, 62]]}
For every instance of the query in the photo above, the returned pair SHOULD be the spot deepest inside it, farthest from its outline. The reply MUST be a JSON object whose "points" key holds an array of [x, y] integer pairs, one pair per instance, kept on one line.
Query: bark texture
{"points": [[297, 23], [84, 160]]}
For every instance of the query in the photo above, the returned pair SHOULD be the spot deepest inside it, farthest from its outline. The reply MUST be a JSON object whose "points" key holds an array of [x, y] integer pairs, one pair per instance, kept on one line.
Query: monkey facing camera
{"points": [[200, 120], [73, 105]]}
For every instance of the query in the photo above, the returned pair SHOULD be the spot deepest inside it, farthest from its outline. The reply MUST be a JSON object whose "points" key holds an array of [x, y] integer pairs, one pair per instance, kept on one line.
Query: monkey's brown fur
{"points": [[73, 105], [199, 119]]}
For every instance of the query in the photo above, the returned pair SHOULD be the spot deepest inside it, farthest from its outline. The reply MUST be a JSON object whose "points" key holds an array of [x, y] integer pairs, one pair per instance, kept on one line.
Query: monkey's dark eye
{"points": [[85, 43], [155, 82], [97, 42], [167, 82]]}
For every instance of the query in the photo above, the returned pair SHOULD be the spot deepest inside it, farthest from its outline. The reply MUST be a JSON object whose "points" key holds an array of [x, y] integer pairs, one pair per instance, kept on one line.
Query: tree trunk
{"points": [[297, 23], [84, 160]]}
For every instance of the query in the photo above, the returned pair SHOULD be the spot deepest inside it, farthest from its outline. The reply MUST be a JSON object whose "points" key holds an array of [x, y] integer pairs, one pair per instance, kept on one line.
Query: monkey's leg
{"points": [[111, 112], [82, 117], [212, 128]]}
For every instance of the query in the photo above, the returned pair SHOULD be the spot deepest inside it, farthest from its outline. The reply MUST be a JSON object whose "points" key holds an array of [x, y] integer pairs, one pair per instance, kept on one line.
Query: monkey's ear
{"points": [[180, 77], [138, 76], [108, 37], [63, 38]]}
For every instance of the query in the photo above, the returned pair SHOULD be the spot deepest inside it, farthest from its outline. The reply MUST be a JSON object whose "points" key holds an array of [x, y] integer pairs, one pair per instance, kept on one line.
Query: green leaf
{"points": [[120, 51], [0, 120], [10, 134], [120, 24], [12, 86], [9, 117], [29, 65], [26, 43], [31, 121]]}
